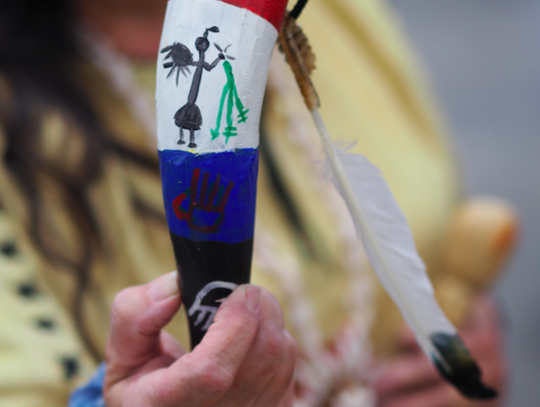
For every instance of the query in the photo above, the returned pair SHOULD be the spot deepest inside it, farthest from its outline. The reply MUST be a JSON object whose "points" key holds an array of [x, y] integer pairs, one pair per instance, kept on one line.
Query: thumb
{"points": [[137, 317]]}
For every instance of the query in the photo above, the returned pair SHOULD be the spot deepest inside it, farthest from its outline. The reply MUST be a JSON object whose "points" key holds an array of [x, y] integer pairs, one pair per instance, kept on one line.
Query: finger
{"points": [[195, 184], [225, 197], [486, 344], [438, 396], [265, 356], [138, 315], [288, 399], [406, 374], [170, 352], [170, 346], [214, 191], [483, 313], [203, 376], [204, 188], [280, 388]]}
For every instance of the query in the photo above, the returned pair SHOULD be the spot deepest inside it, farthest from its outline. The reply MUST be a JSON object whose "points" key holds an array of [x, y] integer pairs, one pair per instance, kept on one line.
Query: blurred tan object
{"points": [[481, 237]]}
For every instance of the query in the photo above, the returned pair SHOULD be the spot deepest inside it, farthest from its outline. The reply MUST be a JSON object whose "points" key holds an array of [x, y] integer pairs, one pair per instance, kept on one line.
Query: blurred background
{"points": [[483, 57]]}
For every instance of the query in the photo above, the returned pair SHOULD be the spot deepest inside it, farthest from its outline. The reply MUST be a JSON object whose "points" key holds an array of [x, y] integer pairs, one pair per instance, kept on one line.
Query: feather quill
{"points": [[388, 241]]}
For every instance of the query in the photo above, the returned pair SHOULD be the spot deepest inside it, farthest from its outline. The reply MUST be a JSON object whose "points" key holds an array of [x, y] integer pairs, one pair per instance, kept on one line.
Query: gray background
{"points": [[483, 57]]}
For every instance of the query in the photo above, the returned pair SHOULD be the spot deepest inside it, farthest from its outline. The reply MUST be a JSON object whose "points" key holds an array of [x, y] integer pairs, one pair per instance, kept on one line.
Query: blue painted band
{"points": [[210, 197]]}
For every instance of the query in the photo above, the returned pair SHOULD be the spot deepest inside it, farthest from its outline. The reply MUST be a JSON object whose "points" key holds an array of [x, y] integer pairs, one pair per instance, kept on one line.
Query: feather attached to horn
{"points": [[386, 237]]}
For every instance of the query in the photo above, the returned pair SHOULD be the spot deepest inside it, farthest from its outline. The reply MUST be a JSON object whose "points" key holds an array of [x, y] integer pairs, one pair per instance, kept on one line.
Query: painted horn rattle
{"points": [[211, 79]]}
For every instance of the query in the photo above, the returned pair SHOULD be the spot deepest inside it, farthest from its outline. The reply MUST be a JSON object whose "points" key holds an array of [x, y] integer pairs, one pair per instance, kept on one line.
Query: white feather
{"points": [[388, 241]]}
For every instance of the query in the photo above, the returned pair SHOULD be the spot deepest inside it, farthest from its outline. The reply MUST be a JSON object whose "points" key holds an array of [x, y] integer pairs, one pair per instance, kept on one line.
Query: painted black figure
{"points": [[189, 116]]}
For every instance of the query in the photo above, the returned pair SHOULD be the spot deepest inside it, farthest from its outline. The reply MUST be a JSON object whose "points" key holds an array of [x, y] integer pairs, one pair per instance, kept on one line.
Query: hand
{"points": [[411, 380], [204, 203], [246, 358]]}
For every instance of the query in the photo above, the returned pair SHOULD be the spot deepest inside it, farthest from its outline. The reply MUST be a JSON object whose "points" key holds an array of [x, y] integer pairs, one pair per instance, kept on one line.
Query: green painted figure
{"points": [[230, 95]]}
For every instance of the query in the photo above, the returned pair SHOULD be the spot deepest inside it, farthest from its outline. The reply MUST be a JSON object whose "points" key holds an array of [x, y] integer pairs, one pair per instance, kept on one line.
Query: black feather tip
{"points": [[460, 369]]}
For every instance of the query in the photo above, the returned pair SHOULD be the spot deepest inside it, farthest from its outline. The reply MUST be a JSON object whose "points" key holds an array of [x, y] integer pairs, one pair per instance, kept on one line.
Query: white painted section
{"points": [[252, 38]]}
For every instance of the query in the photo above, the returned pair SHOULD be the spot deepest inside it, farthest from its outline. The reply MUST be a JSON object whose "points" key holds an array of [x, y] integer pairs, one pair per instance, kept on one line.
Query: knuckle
{"points": [[122, 308], [236, 320], [274, 346], [214, 378], [275, 308], [291, 348], [240, 327], [285, 374], [291, 355], [244, 324], [162, 392]]}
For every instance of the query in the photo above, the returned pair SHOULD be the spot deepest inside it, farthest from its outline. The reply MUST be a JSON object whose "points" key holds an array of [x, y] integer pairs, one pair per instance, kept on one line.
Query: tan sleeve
{"points": [[41, 357]]}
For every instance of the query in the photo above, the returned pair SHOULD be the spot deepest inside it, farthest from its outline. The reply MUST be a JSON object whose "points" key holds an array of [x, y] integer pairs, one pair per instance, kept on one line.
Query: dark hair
{"points": [[40, 61]]}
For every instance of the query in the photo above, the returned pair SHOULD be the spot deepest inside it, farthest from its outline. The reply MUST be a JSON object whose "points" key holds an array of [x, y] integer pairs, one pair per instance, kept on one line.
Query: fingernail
{"points": [[253, 295], [164, 288]]}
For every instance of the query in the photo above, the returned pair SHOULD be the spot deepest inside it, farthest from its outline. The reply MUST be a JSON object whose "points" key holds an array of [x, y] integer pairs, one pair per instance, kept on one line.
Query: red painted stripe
{"points": [[271, 10]]}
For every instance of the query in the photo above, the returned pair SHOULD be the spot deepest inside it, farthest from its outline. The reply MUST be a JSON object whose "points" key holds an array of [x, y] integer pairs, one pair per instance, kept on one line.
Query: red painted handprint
{"points": [[204, 203]]}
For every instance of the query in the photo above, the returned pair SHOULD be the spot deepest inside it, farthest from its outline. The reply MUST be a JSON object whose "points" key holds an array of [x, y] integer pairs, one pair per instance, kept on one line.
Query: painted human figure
{"points": [[189, 116]]}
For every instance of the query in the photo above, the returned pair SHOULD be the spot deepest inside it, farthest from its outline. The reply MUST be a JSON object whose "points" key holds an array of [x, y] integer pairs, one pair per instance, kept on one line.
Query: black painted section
{"points": [[462, 370], [201, 263]]}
